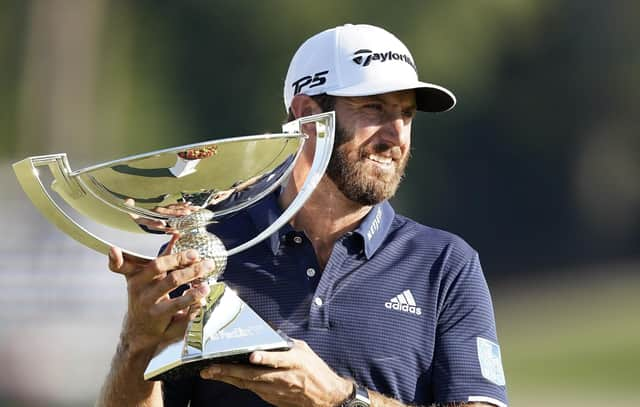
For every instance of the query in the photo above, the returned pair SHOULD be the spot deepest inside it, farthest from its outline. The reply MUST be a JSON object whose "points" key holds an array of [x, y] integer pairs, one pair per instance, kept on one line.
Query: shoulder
{"points": [[234, 229], [431, 241]]}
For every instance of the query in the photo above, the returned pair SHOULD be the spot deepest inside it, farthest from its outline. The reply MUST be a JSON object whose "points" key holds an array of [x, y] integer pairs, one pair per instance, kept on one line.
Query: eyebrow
{"points": [[376, 98]]}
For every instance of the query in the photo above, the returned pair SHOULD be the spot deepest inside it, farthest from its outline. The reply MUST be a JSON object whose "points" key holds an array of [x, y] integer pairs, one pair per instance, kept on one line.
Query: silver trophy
{"points": [[214, 179]]}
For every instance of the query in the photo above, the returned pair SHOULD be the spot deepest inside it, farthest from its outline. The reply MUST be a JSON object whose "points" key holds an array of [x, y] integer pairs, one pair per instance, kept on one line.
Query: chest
{"points": [[370, 319]]}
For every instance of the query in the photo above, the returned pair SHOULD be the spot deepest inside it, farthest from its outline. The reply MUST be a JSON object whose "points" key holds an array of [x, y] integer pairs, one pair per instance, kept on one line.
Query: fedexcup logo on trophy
{"points": [[364, 57]]}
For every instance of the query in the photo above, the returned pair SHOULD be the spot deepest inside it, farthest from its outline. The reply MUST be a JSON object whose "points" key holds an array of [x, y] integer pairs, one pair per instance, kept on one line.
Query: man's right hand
{"points": [[153, 318]]}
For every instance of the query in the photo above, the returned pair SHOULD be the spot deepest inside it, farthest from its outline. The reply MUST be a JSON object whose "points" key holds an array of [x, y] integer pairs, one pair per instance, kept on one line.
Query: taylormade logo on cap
{"points": [[365, 56], [318, 79], [359, 60]]}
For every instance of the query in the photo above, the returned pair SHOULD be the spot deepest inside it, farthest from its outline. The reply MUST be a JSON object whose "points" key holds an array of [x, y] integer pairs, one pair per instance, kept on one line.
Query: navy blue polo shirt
{"points": [[401, 308]]}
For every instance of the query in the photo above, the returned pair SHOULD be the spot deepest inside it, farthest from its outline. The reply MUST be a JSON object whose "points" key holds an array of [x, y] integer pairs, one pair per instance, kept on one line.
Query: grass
{"points": [[571, 341]]}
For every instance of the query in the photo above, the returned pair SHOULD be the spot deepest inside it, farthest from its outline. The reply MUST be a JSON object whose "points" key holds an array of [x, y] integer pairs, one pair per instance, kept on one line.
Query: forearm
{"points": [[125, 384], [379, 400], [153, 318]]}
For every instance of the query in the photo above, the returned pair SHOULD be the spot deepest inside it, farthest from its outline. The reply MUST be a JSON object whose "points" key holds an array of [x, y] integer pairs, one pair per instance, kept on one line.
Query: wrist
{"points": [[135, 351], [358, 397], [134, 344], [346, 391]]}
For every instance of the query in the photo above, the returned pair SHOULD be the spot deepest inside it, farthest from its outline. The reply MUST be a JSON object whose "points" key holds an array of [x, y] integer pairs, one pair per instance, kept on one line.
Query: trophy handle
{"points": [[325, 131], [27, 173]]}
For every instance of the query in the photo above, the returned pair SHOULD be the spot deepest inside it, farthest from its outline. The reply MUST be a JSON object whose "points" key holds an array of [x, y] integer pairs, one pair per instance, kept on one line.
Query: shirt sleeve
{"points": [[467, 364]]}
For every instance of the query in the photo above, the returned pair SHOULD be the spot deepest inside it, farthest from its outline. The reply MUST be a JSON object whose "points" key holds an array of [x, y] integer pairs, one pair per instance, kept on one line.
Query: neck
{"points": [[326, 216]]}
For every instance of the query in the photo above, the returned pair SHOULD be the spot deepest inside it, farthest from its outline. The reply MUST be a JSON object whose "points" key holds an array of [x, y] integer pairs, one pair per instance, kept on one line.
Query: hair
{"points": [[326, 102]]}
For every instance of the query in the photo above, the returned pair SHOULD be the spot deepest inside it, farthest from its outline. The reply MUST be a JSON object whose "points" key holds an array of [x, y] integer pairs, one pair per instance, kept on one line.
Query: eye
{"points": [[409, 113], [374, 106]]}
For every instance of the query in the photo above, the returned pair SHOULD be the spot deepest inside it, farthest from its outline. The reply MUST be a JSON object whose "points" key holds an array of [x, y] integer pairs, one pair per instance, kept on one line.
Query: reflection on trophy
{"points": [[188, 160], [182, 190]]}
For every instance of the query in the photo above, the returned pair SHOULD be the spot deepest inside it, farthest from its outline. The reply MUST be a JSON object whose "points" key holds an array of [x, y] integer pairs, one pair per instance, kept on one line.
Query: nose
{"points": [[396, 127]]}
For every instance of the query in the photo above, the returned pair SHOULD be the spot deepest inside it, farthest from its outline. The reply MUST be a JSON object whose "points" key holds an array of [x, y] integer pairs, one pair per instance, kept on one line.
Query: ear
{"points": [[302, 105]]}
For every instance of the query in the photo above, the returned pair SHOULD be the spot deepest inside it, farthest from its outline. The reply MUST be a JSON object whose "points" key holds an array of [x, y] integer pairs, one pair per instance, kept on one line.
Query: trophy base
{"points": [[229, 339], [193, 368]]}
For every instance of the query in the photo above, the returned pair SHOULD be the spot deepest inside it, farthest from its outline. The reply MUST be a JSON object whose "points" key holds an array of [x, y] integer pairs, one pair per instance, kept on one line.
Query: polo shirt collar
{"points": [[373, 228]]}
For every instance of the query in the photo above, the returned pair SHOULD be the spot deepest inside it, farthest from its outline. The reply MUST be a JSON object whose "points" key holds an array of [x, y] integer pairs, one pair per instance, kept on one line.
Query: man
{"points": [[386, 312]]}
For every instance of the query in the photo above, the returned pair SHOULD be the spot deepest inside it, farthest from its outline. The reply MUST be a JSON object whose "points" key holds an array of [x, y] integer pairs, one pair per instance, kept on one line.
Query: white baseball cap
{"points": [[360, 60]]}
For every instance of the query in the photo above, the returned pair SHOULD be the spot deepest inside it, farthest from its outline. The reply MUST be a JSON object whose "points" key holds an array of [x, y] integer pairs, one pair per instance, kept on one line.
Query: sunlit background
{"points": [[537, 167]]}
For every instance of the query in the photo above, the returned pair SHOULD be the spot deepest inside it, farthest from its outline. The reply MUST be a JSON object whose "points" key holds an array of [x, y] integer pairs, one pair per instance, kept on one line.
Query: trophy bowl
{"points": [[182, 190]]}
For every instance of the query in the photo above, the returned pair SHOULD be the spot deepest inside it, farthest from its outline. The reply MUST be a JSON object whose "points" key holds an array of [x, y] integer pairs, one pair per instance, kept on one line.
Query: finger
{"points": [[158, 225], [172, 211], [189, 313], [135, 261], [116, 260], [275, 359], [125, 263], [233, 371], [169, 247], [121, 263], [176, 261], [160, 267], [202, 286], [174, 279], [179, 205], [180, 321], [177, 307], [131, 203], [198, 293]]}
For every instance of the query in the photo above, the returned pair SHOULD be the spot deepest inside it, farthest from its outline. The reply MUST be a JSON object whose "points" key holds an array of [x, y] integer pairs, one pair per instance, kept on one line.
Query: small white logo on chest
{"points": [[404, 302]]}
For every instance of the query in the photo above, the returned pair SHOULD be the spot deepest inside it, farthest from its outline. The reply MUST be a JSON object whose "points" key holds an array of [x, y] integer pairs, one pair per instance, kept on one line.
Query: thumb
{"points": [[116, 260]]}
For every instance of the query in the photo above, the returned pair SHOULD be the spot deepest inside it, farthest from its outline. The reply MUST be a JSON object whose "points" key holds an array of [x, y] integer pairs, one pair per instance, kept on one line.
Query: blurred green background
{"points": [[537, 166]]}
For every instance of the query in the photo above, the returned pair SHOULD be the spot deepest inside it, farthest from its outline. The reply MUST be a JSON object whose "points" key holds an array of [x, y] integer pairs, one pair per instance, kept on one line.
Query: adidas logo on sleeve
{"points": [[404, 302]]}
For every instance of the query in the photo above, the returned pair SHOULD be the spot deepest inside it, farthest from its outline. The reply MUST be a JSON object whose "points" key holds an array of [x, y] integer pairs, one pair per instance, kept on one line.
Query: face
{"points": [[372, 145]]}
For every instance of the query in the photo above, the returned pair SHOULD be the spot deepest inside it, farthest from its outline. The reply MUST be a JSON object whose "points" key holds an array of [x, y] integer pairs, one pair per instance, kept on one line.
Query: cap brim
{"points": [[429, 97]]}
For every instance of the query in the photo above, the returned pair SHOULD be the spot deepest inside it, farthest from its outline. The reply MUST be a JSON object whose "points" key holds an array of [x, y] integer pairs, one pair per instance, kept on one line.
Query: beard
{"points": [[356, 179]]}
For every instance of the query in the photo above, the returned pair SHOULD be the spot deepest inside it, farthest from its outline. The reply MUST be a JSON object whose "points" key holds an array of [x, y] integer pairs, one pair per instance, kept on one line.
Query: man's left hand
{"points": [[297, 377]]}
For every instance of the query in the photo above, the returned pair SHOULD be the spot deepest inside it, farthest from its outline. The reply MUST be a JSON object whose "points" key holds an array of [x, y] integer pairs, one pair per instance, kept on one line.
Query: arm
{"points": [[467, 362], [153, 319], [380, 400], [124, 384], [297, 377]]}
